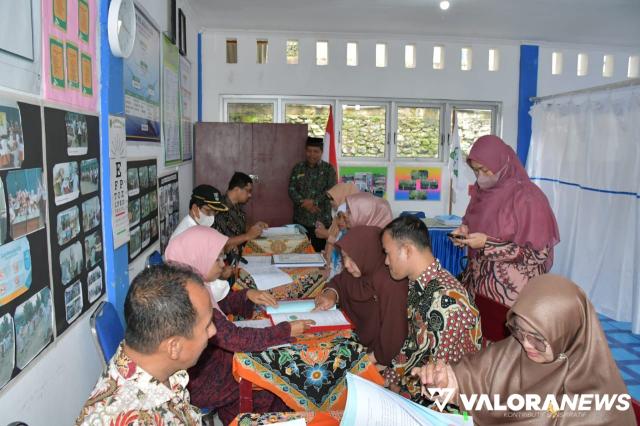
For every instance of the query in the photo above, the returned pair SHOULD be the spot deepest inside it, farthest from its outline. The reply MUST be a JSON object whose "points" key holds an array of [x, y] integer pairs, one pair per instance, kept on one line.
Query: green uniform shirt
{"points": [[312, 183]]}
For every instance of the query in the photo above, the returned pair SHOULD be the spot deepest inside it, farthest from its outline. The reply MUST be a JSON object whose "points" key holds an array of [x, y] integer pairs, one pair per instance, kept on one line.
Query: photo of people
{"points": [[7, 349], [73, 301], [145, 207], [153, 201], [66, 182], [3, 215], [33, 326], [143, 173], [371, 179], [93, 249], [94, 280], [132, 182], [418, 183], [153, 176], [90, 213], [77, 133], [11, 141], [146, 234], [154, 228], [134, 212], [27, 204], [68, 225], [134, 242], [89, 176], [70, 262]]}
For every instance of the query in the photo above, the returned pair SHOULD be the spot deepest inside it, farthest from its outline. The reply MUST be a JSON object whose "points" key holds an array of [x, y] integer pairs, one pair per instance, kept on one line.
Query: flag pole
{"points": [[451, 178]]}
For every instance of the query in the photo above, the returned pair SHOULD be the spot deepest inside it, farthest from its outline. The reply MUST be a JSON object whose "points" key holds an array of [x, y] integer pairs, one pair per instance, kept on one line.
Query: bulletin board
{"points": [[142, 179], [69, 66], [75, 213], [26, 325], [169, 208]]}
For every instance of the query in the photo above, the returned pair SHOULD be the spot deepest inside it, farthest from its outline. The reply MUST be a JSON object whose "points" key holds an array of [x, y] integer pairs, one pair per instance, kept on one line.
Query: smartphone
{"points": [[456, 236]]}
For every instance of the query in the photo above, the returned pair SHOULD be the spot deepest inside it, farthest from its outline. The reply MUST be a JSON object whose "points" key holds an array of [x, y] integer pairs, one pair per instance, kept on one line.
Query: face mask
{"points": [[218, 289], [205, 220], [486, 182]]}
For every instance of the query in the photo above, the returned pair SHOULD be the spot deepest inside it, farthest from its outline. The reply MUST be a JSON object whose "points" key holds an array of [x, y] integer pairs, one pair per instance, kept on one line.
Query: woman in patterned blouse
{"points": [[509, 226]]}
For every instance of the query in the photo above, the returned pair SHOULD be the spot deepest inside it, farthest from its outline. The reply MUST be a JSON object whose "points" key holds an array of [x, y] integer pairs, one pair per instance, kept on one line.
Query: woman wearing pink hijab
{"points": [[211, 382], [365, 209], [509, 226]]}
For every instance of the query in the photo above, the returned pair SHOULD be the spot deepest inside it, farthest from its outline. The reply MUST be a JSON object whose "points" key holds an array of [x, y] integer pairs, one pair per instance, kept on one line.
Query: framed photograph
{"points": [[91, 213], [66, 182], [27, 204], [68, 225], [89, 176], [33, 326]]}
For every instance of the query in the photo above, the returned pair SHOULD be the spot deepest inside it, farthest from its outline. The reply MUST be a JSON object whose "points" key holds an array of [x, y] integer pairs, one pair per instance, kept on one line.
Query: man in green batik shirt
{"points": [[308, 185]]}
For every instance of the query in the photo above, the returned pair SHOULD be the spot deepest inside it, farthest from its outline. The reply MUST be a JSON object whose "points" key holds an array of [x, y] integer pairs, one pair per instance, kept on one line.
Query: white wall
{"points": [[53, 388], [337, 80]]}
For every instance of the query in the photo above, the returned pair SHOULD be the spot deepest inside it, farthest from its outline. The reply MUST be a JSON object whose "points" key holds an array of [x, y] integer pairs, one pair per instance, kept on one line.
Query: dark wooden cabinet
{"points": [[268, 151]]}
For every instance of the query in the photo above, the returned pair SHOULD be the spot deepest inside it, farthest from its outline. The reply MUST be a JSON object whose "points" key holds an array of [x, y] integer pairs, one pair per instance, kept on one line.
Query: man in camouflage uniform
{"points": [[308, 185]]}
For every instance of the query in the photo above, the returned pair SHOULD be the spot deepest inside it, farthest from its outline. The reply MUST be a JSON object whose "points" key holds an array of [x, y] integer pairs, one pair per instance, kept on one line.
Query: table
{"points": [[309, 375], [290, 244], [450, 256], [307, 283], [313, 419]]}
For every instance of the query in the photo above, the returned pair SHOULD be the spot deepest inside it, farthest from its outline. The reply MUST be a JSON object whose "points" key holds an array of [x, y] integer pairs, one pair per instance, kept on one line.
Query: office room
{"points": [[398, 212]]}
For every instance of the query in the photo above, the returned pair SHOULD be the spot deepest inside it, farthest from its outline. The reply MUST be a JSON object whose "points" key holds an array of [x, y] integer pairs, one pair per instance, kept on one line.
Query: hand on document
{"points": [[261, 298], [298, 327], [436, 375]]}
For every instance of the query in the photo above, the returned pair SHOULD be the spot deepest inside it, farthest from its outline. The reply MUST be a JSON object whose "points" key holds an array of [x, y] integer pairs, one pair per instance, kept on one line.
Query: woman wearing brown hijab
{"points": [[557, 347], [375, 302]]}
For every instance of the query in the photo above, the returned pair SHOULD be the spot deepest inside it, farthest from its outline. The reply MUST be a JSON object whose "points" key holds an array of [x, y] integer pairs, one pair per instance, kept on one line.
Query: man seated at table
{"points": [[308, 185], [168, 314], [443, 321], [205, 203], [233, 222]]}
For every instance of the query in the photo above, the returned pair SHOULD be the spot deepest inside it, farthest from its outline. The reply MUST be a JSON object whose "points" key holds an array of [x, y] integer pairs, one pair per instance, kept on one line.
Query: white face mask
{"points": [[205, 220], [218, 289]]}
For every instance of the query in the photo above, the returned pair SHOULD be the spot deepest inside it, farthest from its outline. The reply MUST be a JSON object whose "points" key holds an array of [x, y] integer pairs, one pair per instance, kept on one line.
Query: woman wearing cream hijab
{"points": [[557, 347]]}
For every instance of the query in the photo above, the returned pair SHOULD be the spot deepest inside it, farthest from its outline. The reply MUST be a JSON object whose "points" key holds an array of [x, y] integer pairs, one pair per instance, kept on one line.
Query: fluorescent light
{"points": [[444, 5]]}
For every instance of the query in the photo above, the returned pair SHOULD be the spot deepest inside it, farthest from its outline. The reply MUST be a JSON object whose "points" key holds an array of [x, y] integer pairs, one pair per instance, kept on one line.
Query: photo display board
{"points": [[142, 179], [75, 213], [169, 208], [26, 325]]}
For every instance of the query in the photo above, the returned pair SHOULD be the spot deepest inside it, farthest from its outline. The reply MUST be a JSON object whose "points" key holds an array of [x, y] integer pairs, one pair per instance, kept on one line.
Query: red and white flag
{"points": [[329, 153]]}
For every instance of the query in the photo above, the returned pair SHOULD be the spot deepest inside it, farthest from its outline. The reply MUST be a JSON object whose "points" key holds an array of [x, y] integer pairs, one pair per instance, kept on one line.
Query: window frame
{"points": [[399, 104], [292, 100], [496, 116], [247, 100], [337, 117]]}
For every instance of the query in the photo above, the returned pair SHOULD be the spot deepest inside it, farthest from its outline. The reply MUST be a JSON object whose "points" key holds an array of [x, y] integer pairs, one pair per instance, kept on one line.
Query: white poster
{"points": [[119, 192], [171, 102], [185, 98]]}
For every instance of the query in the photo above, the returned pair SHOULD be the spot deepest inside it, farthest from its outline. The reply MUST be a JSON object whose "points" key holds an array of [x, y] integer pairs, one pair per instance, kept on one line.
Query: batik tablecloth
{"points": [[307, 283], [313, 419], [310, 374], [299, 244]]}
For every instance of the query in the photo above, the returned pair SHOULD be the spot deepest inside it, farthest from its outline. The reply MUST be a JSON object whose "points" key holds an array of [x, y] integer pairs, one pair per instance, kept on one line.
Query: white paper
{"points": [[119, 192], [279, 231], [298, 259], [328, 318], [294, 422], [267, 277], [257, 260], [263, 323]]}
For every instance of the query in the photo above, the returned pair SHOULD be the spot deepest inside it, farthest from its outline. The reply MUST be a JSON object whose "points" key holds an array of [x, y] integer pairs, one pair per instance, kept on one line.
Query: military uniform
{"points": [[307, 182], [231, 223]]}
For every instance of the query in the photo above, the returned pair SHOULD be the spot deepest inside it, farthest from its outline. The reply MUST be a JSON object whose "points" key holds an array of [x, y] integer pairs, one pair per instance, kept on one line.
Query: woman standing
{"points": [[509, 226]]}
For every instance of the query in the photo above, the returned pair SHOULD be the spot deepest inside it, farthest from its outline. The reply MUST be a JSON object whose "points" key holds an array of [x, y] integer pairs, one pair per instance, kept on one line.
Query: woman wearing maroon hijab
{"points": [[509, 226], [375, 302]]}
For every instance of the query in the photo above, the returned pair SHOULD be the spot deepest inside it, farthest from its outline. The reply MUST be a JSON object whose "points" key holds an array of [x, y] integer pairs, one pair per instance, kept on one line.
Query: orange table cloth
{"points": [[313, 419], [309, 375]]}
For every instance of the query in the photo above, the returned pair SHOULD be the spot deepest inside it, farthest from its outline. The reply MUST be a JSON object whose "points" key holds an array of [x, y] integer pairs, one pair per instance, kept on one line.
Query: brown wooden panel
{"points": [[220, 150]]}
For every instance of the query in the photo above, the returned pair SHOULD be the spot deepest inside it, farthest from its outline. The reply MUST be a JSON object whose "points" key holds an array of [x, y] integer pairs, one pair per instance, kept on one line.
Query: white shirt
{"points": [[186, 223]]}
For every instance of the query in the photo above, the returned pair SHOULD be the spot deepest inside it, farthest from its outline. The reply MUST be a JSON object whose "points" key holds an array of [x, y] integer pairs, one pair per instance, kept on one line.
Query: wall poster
{"points": [[119, 190], [171, 116], [418, 183], [142, 83], [169, 208], [142, 179], [371, 179], [75, 212], [26, 325], [186, 126], [69, 43]]}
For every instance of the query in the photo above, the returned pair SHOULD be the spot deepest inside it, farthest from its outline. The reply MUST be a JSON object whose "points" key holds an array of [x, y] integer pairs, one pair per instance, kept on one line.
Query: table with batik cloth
{"points": [[278, 245], [308, 375], [307, 283], [312, 419]]}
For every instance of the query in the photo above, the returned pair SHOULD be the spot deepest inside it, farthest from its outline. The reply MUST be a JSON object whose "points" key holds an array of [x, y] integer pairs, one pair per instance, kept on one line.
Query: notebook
{"points": [[292, 310]]}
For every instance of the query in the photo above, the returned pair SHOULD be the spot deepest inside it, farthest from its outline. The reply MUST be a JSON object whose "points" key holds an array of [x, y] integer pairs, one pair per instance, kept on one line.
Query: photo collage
{"points": [[143, 205], [169, 208]]}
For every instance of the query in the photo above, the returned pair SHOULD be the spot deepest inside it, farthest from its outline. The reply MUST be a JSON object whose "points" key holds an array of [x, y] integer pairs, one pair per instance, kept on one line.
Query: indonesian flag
{"points": [[329, 153]]}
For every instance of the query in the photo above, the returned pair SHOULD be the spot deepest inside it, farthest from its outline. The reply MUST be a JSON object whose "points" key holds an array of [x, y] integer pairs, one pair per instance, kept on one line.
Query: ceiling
{"points": [[594, 22]]}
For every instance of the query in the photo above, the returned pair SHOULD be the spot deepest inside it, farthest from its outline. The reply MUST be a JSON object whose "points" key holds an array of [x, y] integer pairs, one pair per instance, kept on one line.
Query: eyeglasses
{"points": [[537, 342]]}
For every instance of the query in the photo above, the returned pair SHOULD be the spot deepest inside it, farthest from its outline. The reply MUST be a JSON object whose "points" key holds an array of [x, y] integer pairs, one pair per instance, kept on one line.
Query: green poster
{"points": [[73, 65], [56, 58], [60, 13], [83, 20], [87, 74]]}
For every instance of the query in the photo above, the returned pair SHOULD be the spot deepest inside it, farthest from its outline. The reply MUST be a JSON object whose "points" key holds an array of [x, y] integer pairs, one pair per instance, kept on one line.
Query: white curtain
{"points": [[585, 155]]}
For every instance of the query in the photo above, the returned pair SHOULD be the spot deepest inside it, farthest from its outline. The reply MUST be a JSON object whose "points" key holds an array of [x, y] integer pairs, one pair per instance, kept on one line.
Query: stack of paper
{"points": [[267, 276], [294, 260], [332, 319], [281, 232]]}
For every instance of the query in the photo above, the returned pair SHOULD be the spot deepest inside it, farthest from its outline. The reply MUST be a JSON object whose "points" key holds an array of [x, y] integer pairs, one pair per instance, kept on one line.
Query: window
{"points": [[494, 59], [473, 123], [438, 57], [322, 53], [232, 51], [607, 66], [583, 64], [249, 112], [633, 70], [261, 51], [418, 134], [352, 54], [556, 63], [364, 130], [293, 52], [314, 116], [410, 56], [381, 55], [465, 59]]}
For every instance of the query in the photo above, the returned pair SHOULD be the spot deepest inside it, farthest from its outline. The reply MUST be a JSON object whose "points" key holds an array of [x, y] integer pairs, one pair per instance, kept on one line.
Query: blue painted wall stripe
{"points": [[528, 87], [588, 188], [199, 76], [111, 102]]}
